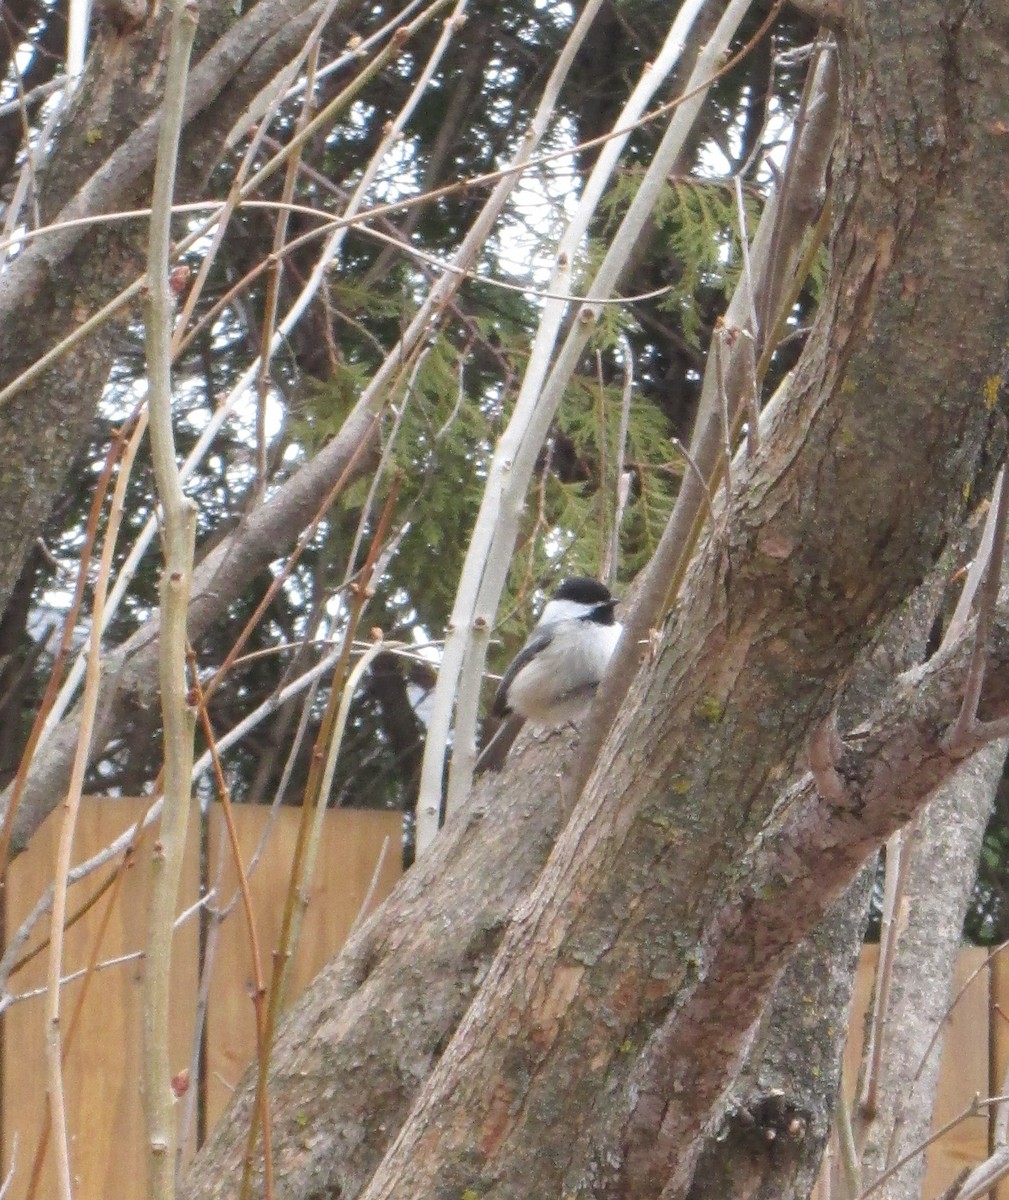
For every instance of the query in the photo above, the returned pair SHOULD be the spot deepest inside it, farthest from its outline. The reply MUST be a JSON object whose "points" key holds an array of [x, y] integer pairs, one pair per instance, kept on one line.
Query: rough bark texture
{"points": [[778, 1114], [319, 1091], [355, 1051], [598, 1045], [595, 1055]]}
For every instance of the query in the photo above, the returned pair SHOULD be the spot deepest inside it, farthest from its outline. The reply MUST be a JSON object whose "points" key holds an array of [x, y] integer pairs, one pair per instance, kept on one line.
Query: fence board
{"points": [[102, 1076], [350, 849], [963, 1072], [998, 1074], [103, 1069]]}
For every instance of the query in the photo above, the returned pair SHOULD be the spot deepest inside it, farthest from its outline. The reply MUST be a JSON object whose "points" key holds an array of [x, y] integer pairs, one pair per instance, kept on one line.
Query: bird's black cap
{"points": [[583, 590]]}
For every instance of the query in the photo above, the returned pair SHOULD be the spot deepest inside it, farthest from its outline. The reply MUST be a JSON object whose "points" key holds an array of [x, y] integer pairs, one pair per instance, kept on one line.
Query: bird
{"points": [[553, 678]]}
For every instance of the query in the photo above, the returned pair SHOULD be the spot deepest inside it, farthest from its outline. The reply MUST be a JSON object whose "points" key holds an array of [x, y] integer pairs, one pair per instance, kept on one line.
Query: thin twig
{"points": [[9, 1177], [518, 166], [14, 957], [898, 865], [271, 300], [688, 458], [621, 481], [333, 749], [54, 1045], [981, 1180], [118, 961], [259, 984], [304, 541], [972, 1110], [119, 447], [976, 570], [35, 96], [369, 895], [751, 400], [601, 437], [179, 538], [313, 792], [547, 375], [35, 151], [847, 1153], [283, 87], [660, 582], [42, 1145], [207, 961], [717, 346], [983, 966], [744, 247], [383, 465]]}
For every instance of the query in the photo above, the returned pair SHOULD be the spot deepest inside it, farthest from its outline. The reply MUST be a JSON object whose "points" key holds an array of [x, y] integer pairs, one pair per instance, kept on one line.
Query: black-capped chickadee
{"points": [[552, 679]]}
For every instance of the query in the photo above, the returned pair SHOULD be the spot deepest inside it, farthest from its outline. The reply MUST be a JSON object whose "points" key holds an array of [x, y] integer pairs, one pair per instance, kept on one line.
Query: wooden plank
{"points": [[352, 844], [963, 1074], [103, 1070], [998, 967]]}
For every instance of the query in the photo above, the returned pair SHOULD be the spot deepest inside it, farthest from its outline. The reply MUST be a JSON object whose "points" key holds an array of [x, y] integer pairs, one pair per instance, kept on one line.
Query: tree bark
{"points": [[597, 1047], [394, 996], [773, 1126], [325, 1092], [777, 1117]]}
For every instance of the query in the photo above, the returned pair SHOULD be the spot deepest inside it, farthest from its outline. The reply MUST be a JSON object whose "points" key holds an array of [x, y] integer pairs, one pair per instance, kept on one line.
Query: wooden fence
{"points": [[975, 1057], [102, 1071]]}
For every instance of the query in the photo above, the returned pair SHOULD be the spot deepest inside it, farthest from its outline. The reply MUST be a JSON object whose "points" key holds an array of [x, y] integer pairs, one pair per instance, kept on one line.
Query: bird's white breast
{"points": [[559, 683]]}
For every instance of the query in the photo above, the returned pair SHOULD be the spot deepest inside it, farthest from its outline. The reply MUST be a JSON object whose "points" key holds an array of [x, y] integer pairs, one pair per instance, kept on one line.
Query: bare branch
{"points": [[178, 715]]}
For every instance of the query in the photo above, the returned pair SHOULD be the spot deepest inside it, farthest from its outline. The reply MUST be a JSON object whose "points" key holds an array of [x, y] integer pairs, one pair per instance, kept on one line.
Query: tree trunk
{"points": [[354, 1051], [770, 1139], [774, 1124]]}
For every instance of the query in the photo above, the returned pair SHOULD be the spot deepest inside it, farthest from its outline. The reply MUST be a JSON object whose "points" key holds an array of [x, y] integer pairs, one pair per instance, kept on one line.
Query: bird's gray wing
{"points": [[538, 640]]}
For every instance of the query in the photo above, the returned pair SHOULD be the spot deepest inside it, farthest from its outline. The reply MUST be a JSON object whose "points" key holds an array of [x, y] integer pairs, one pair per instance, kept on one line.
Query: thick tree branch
{"points": [[394, 996], [810, 847], [769, 1141], [728, 379], [792, 1073], [944, 855]]}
